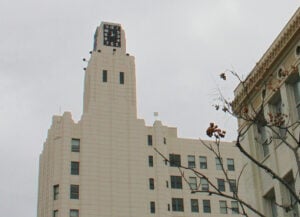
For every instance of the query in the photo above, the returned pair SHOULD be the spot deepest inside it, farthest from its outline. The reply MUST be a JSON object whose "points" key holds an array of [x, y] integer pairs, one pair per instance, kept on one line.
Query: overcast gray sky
{"points": [[180, 48]]}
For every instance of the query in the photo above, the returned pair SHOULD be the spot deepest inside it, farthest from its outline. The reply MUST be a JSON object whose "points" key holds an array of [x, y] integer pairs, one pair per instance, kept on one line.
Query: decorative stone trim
{"points": [[261, 69]]}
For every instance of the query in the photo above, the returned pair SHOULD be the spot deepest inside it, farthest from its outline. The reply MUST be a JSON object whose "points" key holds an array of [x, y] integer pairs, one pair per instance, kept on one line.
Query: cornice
{"points": [[260, 71]]}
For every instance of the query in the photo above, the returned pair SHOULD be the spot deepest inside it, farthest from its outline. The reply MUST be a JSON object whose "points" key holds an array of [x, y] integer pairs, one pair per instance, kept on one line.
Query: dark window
{"points": [[151, 183], [75, 145], [218, 163], [203, 162], [232, 185], [74, 168], [150, 161], [234, 207], [74, 191], [175, 160], [176, 182], [168, 207], [262, 136], [104, 75], [193, 183], [230, 164], [271, 203], [280, 132], [122, 78], [206, 206], [191, 161], [221, 184], [55, 213], [298, 50], [74, 213], [204, 184], [165, 140], [55, 192], [149, 140], [296, 89], [167, 184], [177, 205], [194, 205], [152, 207], [223, 206]]}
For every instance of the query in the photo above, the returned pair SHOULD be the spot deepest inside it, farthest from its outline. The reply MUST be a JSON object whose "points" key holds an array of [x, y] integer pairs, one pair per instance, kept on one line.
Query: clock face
{"points": [[111, 35]]}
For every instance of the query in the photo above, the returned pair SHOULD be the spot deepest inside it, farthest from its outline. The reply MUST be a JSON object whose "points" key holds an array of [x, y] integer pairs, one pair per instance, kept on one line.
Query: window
{"points": [[262, 138], [191, 161], [165, 140], [150, 161], [234, 207], [75, 145], [289, 178], [74, 191], [271, 203], [206, 206], [152, 207], [277, 108], [193, 183], [151, 183], [167, 184], [221, 184], [194, 205], [223, 206], [230, 164], [177, 205], [204, 184], [104, 76], [296, 89], [74, 213], [218, 163], [168, 207], [176, 182], [74, 168], [55, 192], [298, 50], [122, 77], [149, 140], [232, 185], [175, 160], [55, 213], [203, 162]]}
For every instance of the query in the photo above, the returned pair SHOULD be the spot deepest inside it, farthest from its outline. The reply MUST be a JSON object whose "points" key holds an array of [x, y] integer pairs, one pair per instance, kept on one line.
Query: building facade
{"points": [[106, 166], [268, 104]]}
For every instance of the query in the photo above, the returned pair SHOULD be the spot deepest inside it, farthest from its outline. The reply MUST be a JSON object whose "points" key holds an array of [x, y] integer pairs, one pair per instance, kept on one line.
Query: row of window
{"points": [[176, 183], [175, 161], [178, 206], [72, 213], [150, 140], [74, 192], [275, 106], [105, 77]]}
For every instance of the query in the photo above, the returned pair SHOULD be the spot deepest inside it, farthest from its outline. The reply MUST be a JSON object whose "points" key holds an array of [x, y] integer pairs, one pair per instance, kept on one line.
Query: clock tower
{"points": [[110, 36], [110, 84]]}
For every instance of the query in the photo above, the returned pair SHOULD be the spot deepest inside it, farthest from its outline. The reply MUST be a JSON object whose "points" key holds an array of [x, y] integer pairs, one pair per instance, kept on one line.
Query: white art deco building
{"points": [[105, 165]]}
